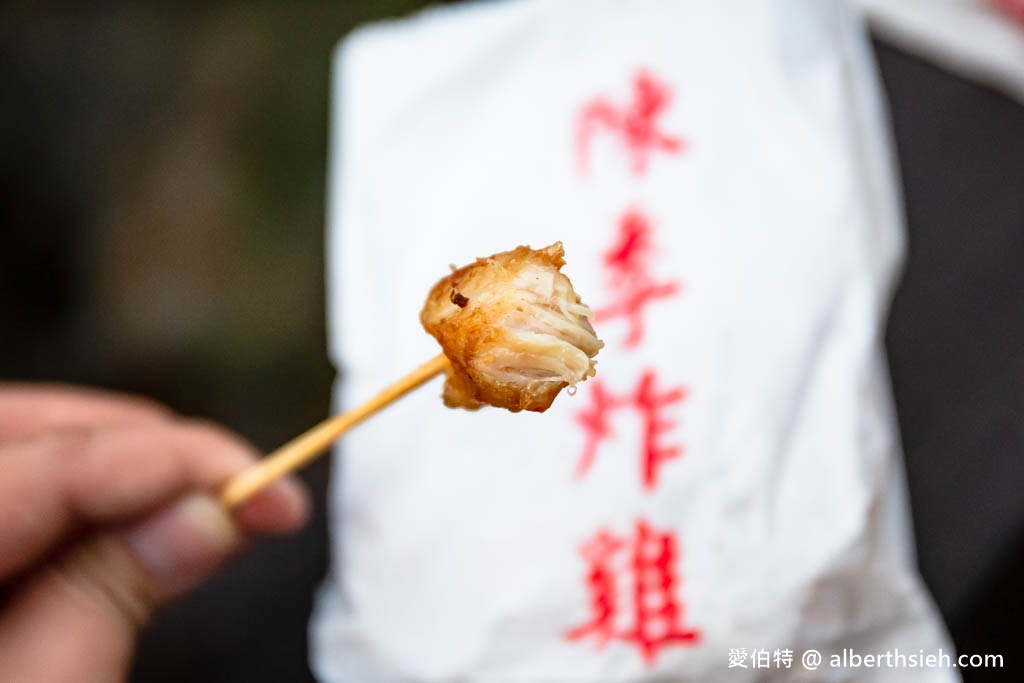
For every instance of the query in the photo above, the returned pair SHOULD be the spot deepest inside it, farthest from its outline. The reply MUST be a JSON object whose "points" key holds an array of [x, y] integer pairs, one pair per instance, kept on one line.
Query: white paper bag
{"points": [[731, 483], [978, 39]]}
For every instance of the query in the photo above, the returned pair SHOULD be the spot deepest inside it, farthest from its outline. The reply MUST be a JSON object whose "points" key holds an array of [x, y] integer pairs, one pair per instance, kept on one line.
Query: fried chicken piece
{"points": [[514, 330]]}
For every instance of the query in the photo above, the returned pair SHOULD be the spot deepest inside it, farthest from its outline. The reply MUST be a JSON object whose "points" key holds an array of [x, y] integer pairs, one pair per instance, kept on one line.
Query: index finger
{"points": [[27, 409], [106, 475]]}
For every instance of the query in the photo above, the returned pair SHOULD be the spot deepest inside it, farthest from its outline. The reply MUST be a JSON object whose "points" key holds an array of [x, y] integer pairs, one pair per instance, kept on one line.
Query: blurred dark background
{"points": [[161, 226]]}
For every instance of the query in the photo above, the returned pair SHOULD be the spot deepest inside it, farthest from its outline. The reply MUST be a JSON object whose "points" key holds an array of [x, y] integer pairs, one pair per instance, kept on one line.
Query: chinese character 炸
{"points": [[649, 402]]}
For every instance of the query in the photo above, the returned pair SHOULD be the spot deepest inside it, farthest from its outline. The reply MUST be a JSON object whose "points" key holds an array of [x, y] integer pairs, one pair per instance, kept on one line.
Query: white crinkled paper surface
{"points": [[978, 39], [721, 177]]}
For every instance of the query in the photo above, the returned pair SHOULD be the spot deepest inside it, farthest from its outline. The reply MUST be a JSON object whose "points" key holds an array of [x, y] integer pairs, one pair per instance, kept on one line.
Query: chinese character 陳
{"points": [[635, 123], [653, 616]]}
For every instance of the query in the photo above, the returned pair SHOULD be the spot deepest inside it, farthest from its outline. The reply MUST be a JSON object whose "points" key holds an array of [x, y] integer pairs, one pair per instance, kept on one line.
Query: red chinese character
{"points": [[636, 123], [628, 264], [596, 422], [649, 403], [655, 620], [604, 598]]}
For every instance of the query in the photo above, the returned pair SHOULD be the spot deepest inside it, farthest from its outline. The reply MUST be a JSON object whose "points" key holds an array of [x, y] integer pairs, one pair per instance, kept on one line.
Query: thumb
{"points": [[89, 604], [181, 546]]}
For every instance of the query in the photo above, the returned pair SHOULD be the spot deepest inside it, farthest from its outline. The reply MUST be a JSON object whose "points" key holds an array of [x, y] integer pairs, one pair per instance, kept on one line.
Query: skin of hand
{"points": [[106, 513]]}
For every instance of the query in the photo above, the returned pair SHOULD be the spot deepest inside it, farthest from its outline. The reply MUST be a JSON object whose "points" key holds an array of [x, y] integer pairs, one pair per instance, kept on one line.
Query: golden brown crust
{"points": [[513, 328]]}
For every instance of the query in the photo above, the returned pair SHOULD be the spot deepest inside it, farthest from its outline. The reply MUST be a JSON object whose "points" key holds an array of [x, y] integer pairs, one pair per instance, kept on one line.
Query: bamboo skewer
{"points": [[306, 447]]}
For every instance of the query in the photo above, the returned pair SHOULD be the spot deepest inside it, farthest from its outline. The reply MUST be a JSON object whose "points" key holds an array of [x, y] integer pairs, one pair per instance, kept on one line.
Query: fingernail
{"points": [[182, 545]]}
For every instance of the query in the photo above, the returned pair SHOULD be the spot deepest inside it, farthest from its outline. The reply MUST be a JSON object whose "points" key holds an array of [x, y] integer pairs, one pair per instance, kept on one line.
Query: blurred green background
{"points": [[169, 162], [162, 193]]}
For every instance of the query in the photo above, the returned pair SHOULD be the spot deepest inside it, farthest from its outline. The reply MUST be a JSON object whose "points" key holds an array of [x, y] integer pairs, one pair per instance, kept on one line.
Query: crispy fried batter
{"points": [[514, 330]]}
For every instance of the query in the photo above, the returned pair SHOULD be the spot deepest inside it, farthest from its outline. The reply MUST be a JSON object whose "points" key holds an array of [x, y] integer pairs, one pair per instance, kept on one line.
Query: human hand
{"points": [[105, 515]]}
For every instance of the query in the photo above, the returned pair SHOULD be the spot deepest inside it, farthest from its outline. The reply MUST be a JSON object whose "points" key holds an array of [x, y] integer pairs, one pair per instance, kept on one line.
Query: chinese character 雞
{"points": [[652, 616], [604, 597]]}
